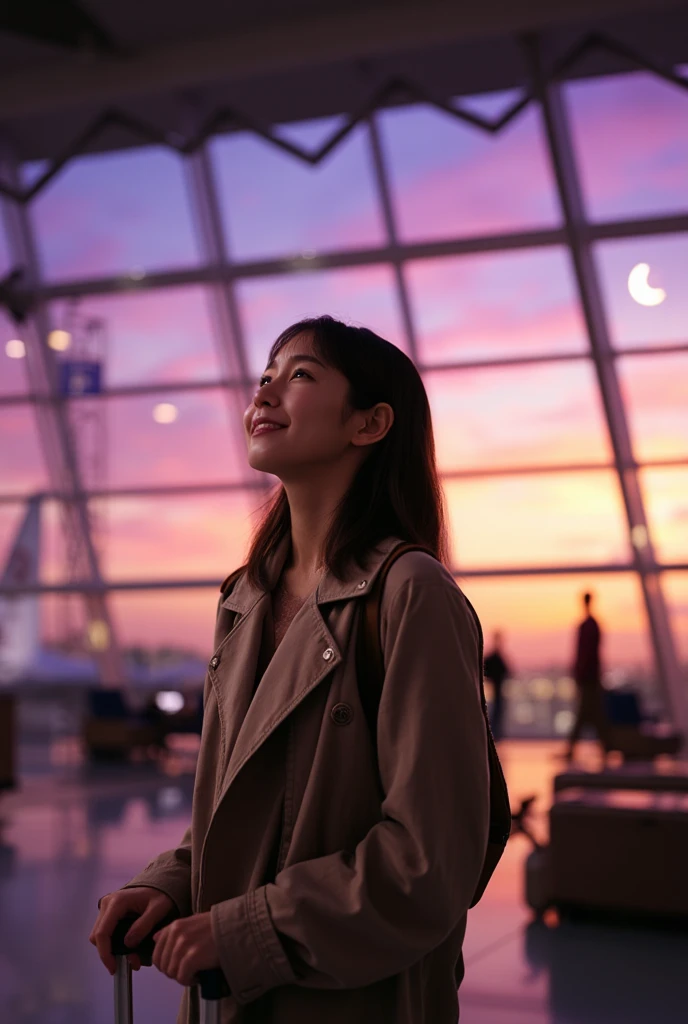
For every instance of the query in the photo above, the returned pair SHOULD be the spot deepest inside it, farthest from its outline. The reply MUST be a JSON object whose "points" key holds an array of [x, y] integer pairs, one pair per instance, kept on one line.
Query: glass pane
{"points": [[665, 491], [176, 537], [631, 134], [450, 179], [115, 213], [199, 446], [539, 616], [182, 620], [675, 585], [628, 285], [13, 374], [549, 519], [11, 516], [274, 204], [517, 416], [148, 336], [492, 305], [361, 295], [655, 392], [22, 469]]}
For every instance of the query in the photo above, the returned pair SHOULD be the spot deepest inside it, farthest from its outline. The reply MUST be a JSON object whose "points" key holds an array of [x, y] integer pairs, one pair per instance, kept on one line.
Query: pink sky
{"points": [[109, 214]]}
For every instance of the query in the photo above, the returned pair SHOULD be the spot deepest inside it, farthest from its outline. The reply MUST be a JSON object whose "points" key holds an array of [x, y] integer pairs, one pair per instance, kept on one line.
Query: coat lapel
{"points": [[306, 656]]}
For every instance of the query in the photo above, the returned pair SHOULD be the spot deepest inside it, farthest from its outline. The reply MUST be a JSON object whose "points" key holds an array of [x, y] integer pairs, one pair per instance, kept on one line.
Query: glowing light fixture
{"points": [[59, 341], [98, 635], [165, 412], [15, 349], [169, 701], [640, 289]]}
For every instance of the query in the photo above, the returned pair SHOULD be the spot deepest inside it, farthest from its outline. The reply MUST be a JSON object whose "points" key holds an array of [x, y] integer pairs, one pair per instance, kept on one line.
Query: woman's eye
{"points": [[266, 380]]}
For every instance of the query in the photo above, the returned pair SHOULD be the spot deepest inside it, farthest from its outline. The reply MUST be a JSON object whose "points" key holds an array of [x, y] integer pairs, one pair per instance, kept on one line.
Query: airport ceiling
{"points": [[172, 63]]}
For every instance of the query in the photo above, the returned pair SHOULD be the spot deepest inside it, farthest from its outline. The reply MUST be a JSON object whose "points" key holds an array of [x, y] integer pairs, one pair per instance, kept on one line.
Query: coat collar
{"points": [[356, 581]]}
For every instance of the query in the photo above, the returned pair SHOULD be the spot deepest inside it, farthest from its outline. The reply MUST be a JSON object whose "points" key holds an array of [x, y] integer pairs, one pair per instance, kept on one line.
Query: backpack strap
{"points": [[370, 673]]}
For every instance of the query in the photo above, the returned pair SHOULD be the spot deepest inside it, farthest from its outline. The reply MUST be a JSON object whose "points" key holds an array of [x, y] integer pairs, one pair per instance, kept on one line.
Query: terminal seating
{"points": [[633, 734], [617, 848], [111, 730], [7, 741]]}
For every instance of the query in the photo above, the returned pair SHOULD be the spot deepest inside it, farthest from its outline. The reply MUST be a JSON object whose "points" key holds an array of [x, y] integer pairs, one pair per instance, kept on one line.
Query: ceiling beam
{"points": [[381, 29]]}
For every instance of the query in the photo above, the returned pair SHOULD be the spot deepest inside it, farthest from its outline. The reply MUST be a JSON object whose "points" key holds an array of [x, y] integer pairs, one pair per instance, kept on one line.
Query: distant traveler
{"points": [[497, 671], [329, 868], [588, 676]]}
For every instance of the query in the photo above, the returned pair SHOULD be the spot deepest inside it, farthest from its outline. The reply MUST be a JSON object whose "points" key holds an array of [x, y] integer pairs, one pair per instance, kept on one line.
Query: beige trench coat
{"points": [[331, 902]]}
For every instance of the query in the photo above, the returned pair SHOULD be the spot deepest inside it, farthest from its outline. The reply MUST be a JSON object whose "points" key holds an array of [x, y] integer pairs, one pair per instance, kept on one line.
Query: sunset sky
{"points": [[115, 213]]}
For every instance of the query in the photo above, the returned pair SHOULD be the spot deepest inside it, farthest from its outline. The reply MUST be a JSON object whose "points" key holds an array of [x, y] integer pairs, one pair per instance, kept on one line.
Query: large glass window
{"points": [[197, 536], [22, 469], [631, 135], [361, 295], [655, 393], [13, 375], [517, 416], [448, 178], [198, 445], [548, 519], [275, 204], [495, 305], [644, 286], [665, 493], [156, 336], [180, 619], [675, 586], [120, 213], [539, 617]]}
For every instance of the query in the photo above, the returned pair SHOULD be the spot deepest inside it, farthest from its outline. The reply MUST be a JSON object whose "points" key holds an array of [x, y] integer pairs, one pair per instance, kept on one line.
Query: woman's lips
{"points": [[264, 428]]}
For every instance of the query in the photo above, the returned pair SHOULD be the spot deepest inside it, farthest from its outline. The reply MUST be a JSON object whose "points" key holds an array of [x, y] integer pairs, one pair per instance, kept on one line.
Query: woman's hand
{"points": [[185, 947], [151, 904]]}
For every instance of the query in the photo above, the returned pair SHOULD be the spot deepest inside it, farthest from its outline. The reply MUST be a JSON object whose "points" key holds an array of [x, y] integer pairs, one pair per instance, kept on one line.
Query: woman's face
{"points": [[299, 418]]}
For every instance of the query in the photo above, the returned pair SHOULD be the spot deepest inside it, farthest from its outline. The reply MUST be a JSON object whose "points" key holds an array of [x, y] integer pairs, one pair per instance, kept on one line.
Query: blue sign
{"points": [[80, 377]]}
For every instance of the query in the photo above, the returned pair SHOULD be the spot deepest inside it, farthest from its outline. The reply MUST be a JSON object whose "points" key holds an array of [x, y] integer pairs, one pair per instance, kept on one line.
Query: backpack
{"points": [[370, 674]]}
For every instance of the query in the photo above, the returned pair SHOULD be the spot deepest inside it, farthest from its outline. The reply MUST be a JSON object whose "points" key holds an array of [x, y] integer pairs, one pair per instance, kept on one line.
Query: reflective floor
{"points": [[71, 834]]}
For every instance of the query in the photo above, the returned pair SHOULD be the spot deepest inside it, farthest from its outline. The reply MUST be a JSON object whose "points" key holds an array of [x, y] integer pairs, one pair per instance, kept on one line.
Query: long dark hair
{"points": [[396, 491]]}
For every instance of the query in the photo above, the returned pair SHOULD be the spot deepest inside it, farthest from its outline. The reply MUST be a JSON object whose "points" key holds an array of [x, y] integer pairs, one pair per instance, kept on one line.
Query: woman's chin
{"points": [[262, 462]]}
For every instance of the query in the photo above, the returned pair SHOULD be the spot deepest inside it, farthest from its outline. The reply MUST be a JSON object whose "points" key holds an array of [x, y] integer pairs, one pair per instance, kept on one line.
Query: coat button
{"points": [[329, 653], [214, 662], [362, 584], [341, 714]]}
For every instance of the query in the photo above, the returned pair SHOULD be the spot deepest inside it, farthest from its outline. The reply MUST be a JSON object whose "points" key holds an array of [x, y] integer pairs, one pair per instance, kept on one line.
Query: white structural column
{"points": [[568, 182], [56, 437], [385, 196]]}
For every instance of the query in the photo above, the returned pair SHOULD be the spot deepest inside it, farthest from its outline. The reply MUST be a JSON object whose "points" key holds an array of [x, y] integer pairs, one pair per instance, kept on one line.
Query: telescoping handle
{"points": [[212, 983]]}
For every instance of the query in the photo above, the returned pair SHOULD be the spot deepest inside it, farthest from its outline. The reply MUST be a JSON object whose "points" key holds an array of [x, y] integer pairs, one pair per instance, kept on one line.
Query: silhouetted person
{"points": [[497, 670], [588, 676]]}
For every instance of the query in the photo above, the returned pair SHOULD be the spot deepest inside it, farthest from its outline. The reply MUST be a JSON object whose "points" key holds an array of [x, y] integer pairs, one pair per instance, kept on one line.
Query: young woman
{"points": [[327, 873]]}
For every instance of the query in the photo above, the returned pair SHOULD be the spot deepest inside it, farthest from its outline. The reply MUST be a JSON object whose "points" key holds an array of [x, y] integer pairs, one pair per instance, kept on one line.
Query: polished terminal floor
{"points": [[71, 833]]}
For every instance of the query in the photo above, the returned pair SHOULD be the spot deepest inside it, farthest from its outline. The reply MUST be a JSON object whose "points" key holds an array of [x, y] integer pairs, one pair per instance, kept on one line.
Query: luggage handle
{"points": [[212, 983]]}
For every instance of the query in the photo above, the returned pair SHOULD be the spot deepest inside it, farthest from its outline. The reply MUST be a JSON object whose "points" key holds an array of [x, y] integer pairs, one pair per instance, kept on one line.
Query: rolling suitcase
{"points": [[212, 983]]}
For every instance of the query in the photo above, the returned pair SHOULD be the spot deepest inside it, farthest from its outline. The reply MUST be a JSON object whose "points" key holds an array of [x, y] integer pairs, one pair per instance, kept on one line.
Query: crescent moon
{"points": [[640, 290]]}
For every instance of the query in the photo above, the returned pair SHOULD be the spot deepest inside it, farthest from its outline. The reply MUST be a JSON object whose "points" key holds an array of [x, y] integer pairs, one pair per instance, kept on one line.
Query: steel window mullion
{"points": [[560, 144]]}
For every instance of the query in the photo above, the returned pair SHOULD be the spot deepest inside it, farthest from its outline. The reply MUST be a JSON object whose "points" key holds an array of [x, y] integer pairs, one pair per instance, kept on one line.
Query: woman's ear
{"points": [[376, 424]]}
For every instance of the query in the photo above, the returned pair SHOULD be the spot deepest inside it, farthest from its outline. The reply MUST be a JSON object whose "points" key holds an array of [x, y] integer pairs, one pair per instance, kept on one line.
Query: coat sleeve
{"points": [[357, 916], [170, 873]]}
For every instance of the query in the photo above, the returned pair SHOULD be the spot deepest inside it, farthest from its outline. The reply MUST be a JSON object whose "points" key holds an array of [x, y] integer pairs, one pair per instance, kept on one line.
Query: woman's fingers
{"points": [[101, 936], [144, 925]]}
